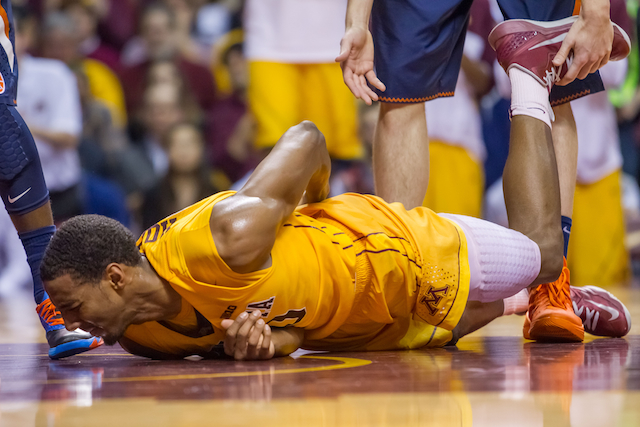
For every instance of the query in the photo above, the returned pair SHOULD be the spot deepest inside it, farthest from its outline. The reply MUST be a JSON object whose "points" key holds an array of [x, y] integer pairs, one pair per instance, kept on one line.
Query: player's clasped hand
{"points": [[248, 337]]}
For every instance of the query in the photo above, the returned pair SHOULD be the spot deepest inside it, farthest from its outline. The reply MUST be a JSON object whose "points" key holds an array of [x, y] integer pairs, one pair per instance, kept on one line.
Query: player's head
{"points": [[88, 269]]}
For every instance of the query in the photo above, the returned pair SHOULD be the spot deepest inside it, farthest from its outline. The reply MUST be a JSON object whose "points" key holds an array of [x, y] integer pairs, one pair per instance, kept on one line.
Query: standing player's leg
{"points": [[401, 154], [565, 144], [26, 198], [418, 51]]}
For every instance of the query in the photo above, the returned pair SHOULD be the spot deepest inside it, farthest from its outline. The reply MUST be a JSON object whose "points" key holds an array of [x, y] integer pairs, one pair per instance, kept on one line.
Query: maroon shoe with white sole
{"points": [[532, 45], [602, 313]]}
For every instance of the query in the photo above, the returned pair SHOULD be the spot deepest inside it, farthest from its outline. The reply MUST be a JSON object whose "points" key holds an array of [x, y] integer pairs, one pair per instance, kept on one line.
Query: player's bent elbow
{"points": [[308, 126], [311, 132]]}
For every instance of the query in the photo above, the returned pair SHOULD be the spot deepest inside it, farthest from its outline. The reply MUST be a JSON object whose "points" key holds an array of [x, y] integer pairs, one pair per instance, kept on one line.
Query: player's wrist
{"points": [[595, 10], [286, 340]]}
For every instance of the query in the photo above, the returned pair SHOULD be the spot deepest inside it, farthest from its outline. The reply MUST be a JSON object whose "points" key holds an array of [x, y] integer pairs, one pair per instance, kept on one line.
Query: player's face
{"points": [[97, 309]]}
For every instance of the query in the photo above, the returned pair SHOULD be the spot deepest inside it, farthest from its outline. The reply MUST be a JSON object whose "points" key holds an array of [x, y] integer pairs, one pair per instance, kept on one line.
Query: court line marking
{"points": [[345, 363]]}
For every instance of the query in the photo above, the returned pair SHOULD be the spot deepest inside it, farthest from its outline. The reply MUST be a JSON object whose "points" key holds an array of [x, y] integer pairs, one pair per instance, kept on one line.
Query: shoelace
{"points": [[47, 311], [551, 77], [559, 294]]}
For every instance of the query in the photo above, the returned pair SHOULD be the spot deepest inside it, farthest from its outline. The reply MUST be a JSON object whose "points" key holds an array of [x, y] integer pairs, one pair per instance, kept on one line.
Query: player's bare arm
{"points": [[356, 52], [590, 39], [245, 225]]}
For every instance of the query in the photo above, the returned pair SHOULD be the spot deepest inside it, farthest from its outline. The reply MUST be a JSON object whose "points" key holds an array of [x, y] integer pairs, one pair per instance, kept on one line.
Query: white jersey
{"points": [[293, 31], [48, 99]]}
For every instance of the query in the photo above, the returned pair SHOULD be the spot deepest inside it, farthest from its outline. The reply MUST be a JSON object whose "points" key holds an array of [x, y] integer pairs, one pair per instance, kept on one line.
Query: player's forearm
{"points": [[358, 13], [286, 340], [298, 162]]}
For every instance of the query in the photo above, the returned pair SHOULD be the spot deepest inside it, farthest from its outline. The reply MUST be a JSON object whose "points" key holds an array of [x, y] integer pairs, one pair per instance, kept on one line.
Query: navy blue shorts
{"points": [[22, 185], [419, 44]]}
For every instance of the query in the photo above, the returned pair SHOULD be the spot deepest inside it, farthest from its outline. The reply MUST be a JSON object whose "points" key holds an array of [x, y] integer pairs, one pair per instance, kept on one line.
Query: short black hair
{"points": [[84, 245]]}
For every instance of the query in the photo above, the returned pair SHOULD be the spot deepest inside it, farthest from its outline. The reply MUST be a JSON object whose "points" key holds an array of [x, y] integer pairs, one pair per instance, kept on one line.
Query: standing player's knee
{"points": [[401, 115], [13, 157]]}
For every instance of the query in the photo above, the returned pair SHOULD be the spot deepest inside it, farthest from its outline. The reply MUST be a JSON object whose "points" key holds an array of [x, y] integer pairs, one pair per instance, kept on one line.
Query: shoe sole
{"points": [[517, 25], [551, 329], [74, 347], [511, 26]]}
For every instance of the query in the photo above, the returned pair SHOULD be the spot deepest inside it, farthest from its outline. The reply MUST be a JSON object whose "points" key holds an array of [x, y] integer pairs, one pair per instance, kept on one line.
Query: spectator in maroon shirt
{"points": [[157, 34], [230, 126], [118, 22], [188, 179]]}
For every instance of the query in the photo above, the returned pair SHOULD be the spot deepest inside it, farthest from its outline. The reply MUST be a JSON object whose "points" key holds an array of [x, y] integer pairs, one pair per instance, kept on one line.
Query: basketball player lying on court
{"points": [[264, 276]]}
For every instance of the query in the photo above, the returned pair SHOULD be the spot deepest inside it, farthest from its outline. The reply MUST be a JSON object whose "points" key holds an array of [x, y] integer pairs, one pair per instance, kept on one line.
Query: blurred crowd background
{"points": [[140, 108]]}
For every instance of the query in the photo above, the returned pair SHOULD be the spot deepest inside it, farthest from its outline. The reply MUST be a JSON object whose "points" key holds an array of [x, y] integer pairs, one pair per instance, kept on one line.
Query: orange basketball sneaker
{"points": [[550, 316]]}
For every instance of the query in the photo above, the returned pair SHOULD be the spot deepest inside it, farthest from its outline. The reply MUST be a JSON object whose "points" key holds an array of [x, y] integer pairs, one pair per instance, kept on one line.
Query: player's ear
{"points": [[115, 275]]}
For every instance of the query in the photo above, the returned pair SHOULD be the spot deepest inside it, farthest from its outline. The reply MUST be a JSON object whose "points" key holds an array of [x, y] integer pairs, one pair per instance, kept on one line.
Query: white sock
{"points": [[519, 303], [529, 97]]}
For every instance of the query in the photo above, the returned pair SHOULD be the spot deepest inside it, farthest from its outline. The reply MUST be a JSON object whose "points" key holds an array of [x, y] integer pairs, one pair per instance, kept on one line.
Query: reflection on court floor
{"points": [[492, 378]]}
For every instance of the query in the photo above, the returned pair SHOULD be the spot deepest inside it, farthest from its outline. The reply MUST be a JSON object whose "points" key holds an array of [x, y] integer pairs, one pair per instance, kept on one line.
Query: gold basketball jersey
{"points": [[351, 270]]}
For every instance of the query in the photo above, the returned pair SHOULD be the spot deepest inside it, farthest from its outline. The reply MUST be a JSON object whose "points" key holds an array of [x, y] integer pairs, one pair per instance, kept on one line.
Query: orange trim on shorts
{"points": [[5, 18], [571, 97], [576, 7], [409, 100]]}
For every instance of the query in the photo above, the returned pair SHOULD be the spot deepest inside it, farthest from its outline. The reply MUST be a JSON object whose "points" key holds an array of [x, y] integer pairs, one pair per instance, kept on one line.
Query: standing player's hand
{"points": [[356, 60], [590, 38], [248, 337]]}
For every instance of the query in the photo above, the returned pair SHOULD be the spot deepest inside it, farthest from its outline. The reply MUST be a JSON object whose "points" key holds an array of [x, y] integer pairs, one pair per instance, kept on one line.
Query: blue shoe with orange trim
{"points": [[63, 343]]}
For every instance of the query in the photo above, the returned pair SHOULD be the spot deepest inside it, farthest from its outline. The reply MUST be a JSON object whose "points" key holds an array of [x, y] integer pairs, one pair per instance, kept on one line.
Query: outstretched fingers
{"points": [[375, 81], [352, 81]]}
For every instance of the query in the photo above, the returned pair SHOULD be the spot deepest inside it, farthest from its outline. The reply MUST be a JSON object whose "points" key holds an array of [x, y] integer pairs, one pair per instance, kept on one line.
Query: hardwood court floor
{"points": [[493, 378]]}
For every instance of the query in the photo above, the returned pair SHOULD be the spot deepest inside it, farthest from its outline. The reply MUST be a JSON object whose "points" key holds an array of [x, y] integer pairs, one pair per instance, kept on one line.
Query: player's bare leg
{"points": [[401, 154], [532, 191], [565, 324], [41, 217], [476, 315], [565, 145]]}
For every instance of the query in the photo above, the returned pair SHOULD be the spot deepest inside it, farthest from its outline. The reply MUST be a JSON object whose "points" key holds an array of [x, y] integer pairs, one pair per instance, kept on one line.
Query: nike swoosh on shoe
{"points": [[612, 311]]}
